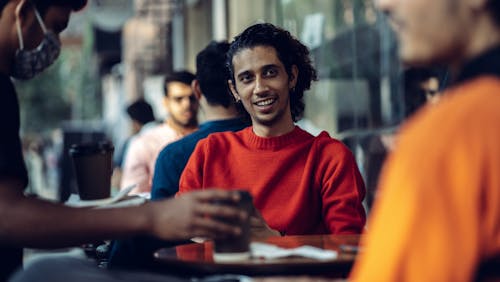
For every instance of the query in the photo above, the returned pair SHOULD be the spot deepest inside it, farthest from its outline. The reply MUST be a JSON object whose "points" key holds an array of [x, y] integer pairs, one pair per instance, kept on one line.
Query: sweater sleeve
{"points": [[342, 192], [192, 176]]}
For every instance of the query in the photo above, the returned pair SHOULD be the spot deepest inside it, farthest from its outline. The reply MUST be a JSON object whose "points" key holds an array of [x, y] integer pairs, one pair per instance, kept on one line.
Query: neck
{"points": [[219, 112], [485, 35], [262, 130], [181, 129]]}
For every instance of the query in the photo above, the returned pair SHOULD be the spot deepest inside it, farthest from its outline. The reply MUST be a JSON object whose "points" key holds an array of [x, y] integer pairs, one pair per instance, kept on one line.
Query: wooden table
{"points": [[197, 259]]}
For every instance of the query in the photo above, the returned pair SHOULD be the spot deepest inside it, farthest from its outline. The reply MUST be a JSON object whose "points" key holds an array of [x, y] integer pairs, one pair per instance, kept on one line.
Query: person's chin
{"points": [[190, 123], [413, 58]]}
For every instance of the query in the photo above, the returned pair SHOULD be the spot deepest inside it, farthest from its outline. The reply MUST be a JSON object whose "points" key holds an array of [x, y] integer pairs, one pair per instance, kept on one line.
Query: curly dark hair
{"points": [[290, 52]]}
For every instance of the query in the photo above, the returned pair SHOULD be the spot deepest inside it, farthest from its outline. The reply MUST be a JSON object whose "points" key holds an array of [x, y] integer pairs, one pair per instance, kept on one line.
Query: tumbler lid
{"points": [[91, 148]]}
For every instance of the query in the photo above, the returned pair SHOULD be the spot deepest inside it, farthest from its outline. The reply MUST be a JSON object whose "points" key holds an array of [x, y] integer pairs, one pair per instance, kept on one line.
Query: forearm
{"points": [[48, 225], [28, 222], [34, 223]]}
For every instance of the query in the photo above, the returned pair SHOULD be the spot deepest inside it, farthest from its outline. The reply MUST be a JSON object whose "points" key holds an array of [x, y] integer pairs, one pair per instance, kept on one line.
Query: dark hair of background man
{"points": [[184, 76], [214, 83]]}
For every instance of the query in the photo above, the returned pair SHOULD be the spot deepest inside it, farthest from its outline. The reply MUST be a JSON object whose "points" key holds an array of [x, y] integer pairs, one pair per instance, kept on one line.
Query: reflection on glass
{"points": [[359, 93]]}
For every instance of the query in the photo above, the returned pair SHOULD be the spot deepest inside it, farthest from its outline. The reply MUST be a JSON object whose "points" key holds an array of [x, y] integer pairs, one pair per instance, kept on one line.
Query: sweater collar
{"points": [[296, 136]]}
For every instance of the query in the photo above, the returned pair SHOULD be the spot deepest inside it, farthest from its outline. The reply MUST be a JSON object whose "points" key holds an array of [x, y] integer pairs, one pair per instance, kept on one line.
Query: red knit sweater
{"points": [[300, 183]]}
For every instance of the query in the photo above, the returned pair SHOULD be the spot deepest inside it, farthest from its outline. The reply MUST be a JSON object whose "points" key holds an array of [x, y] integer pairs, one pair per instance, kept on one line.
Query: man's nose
{"points": [[260, 86]]}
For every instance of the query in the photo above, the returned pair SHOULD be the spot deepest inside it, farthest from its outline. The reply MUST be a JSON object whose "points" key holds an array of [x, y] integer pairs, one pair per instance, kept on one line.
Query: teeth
{"points": [[265, 102]]}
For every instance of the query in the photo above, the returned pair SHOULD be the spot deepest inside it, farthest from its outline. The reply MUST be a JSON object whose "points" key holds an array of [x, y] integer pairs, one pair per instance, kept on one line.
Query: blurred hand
{"points": [[259, 227], [195, 214]]}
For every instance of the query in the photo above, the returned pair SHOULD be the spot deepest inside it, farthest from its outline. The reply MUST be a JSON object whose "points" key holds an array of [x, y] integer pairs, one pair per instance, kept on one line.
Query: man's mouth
{"points": [[188, 114], [265, 102]]}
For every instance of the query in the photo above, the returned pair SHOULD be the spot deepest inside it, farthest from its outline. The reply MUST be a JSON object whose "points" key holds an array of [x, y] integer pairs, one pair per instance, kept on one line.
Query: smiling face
{"points": [[430, 31], [263, 86]]}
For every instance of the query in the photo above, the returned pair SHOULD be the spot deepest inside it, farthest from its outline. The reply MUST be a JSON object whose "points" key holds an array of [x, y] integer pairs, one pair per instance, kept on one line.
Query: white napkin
{"points": [[115, 201], [269, 251]]}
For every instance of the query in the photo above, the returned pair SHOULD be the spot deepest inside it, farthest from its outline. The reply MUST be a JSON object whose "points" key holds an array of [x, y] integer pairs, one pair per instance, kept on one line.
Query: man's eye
{"points": [[246, 78], [270, 72]]}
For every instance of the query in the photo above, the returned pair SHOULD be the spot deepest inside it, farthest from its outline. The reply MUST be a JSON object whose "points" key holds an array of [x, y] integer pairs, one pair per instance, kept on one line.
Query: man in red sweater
{"points": [[301, 184]]}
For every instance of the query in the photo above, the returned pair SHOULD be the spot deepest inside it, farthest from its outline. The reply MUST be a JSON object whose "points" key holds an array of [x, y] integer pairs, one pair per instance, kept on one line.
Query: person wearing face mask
{"points": [[29, 43], [28, 63]]}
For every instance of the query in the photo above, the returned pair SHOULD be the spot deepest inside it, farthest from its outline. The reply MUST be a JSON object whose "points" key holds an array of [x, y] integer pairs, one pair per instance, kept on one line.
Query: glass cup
{"points": [[237, 247], [93, 167]]}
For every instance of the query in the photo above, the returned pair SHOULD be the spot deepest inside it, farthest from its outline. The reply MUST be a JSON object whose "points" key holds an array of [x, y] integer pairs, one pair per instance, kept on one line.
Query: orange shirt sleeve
{"points": [[439, 202]]}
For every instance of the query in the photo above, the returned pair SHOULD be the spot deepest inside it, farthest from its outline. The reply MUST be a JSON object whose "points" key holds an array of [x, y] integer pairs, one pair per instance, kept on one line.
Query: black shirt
{"points": [[488, 63], [11, 163]]}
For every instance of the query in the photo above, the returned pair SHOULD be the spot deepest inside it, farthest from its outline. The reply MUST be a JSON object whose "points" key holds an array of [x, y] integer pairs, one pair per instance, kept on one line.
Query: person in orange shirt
{"points": [[437, 214]]}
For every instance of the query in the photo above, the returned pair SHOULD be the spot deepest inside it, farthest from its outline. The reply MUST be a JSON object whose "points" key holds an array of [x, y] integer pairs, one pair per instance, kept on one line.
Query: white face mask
{"points": [[29, 63]]}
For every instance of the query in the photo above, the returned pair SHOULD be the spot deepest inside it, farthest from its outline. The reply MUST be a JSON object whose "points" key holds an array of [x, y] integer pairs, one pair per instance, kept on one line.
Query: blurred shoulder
{"points": [[226, 136], [324, 139]]}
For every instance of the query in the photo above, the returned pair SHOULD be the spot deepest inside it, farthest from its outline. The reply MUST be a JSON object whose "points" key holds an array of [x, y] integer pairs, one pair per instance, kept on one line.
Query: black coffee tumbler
{"points": [[92, 163], [234, 248]]}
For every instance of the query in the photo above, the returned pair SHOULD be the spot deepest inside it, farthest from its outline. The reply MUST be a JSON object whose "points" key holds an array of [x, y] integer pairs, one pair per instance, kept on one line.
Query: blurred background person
{"points": [[141, 115], [182, 106], [210, 86], [421, 86]]}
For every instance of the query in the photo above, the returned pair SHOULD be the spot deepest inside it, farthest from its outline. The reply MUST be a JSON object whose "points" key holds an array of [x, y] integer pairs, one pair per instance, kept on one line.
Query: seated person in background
{"points": [[182, 107], [437, 216], [140, 113], [421, 87], [211, 89], [301, 184]]}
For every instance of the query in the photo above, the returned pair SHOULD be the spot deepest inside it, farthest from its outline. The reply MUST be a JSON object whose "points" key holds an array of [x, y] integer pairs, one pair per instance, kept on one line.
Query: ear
{"points": [[233, 90], [24, 17], [166, 104], [195, 85], [293, 77], [23, 11]]}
